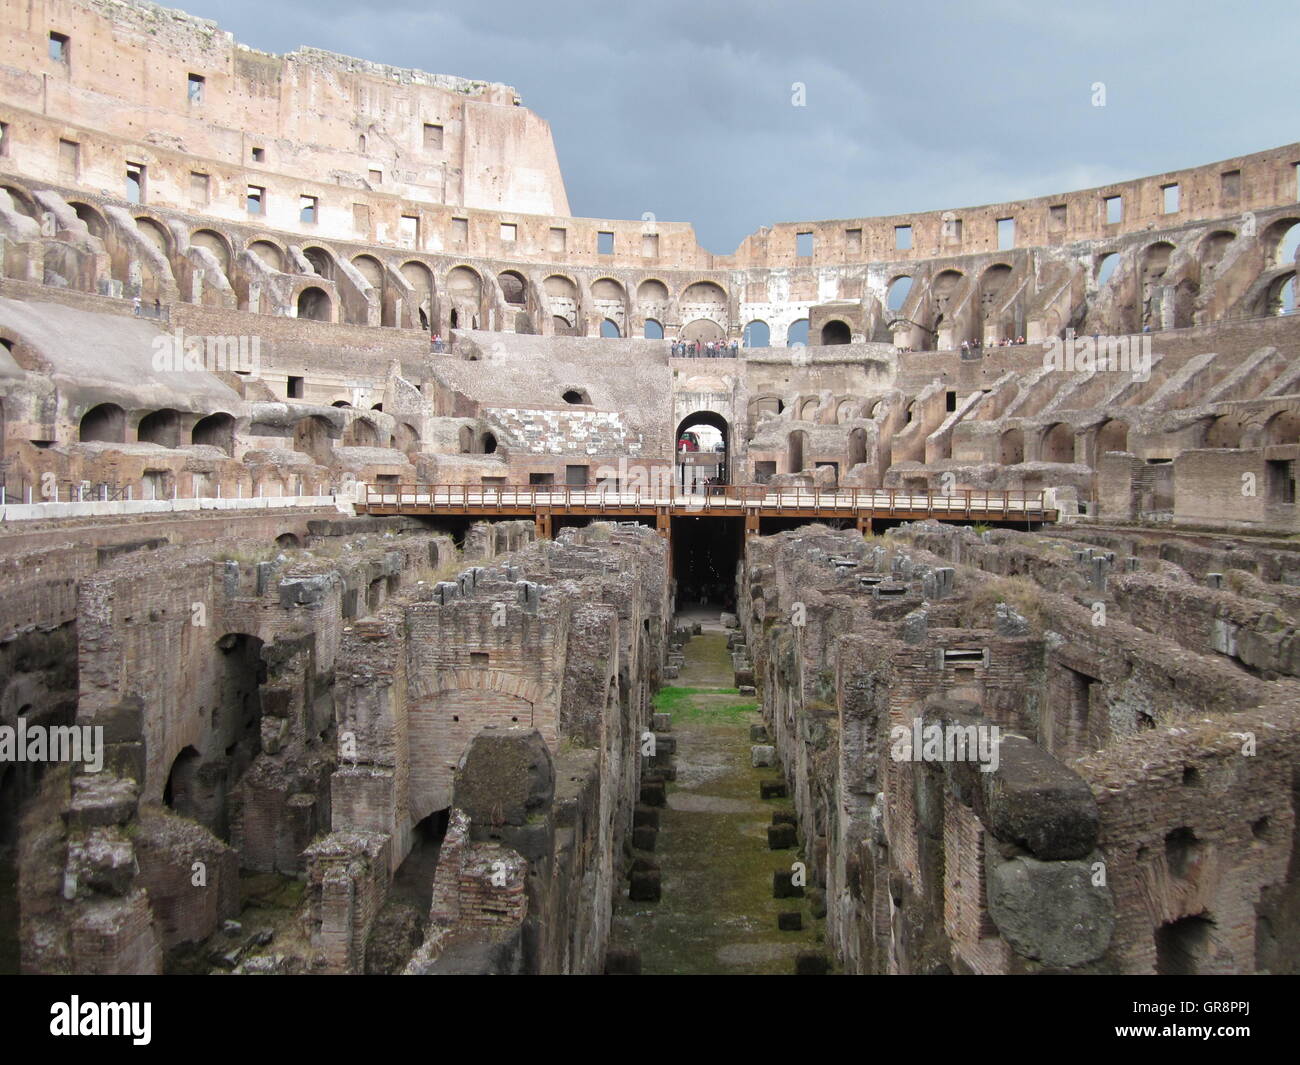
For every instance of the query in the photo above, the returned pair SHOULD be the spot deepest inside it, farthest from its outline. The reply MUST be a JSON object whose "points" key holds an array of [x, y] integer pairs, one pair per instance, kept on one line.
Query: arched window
{"points": [[314, 304], [836, 332], [757, 334], [105, 423]]}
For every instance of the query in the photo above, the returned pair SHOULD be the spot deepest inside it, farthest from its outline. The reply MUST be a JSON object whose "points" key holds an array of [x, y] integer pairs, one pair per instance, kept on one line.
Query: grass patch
{"points": [[698, 704], [1020, 593]]}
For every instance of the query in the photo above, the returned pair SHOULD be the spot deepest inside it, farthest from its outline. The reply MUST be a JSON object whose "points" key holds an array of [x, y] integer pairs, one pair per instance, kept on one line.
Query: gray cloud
{"points": [[684, 109]]}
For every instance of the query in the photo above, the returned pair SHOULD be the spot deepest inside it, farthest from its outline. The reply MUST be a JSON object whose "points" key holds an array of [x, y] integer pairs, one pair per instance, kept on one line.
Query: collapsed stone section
{"points": [[1135, 813], [514, 698]]}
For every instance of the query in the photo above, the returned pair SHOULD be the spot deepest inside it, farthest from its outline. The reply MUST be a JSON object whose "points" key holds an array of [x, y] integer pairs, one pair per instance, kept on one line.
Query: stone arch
{"points": [[179, 791], [314, 304], [558, 286], [1214, 246], [314, 436], [214, 242], [216, 430], [95, 224], [1282, 428], [610, 303], [1281, 241], [371, 269], [704, 293], [897, 292], [1224, 431], [1011, 449], [514, 290], [1057, 443], [105, 423], [23, 202], [797, 450], [702, 330], [162, 427], [447, 720], [406, 439], [652, 329], [423, 294], [321, 260], [609, 329], [836, 331], [758, 334], [269, 253], [713, 420], [155, 233], [652, 291], [1112, 435], [361, 432], [1104, 266], [797, 334], [465, 295], [857, 451], [1281, 295]]}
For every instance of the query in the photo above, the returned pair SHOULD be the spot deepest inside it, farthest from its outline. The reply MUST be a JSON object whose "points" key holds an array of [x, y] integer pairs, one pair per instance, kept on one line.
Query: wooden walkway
{"points": [[751, 502]]}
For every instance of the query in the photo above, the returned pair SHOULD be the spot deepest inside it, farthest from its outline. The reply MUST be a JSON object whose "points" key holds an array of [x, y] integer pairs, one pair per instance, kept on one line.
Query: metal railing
{"points": [[718, 498]]}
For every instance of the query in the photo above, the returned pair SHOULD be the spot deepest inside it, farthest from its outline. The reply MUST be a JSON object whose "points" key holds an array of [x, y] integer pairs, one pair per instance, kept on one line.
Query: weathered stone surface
{"points": [[1051, 912], [505, 777]]}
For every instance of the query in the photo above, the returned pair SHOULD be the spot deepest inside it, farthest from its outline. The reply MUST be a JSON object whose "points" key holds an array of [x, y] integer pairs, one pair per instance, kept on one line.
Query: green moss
{"points": [[717, 913]]}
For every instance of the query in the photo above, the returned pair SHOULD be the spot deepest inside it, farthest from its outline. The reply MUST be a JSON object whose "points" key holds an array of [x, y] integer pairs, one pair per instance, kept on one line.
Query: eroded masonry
{"points": [[359, 507]]}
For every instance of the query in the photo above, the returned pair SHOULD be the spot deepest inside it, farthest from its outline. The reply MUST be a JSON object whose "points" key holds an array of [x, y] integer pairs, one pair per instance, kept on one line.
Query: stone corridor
{"points": [[717, 913]]}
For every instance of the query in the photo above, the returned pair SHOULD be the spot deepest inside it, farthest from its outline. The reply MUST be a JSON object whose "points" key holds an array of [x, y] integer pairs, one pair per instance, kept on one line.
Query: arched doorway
{"points": [[703, 451], [836, 332]]}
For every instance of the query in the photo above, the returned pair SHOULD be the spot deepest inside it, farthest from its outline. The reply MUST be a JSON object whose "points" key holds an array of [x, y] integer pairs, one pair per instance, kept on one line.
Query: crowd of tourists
{"points": [[710, 349]]}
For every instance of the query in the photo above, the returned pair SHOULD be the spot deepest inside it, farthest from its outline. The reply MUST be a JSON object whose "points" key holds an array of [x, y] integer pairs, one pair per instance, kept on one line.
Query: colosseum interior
{"points": [[402, 575]]}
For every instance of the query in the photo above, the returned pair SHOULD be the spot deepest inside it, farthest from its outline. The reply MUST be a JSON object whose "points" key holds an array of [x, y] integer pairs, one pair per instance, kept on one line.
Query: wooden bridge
{"points": [[544, 503]]}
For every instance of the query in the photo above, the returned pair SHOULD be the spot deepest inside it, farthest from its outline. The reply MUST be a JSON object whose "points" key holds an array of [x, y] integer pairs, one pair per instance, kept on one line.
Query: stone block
{"points": [[1051, 912], [622, 961], [771, 789], [506, 776], [645, 816], [653, 793], [790, 921], [783, 886], [781, 837], [762, 755], [811, 963]]}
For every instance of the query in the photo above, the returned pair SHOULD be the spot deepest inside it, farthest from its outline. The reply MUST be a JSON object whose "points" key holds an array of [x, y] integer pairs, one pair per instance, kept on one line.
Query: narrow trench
{"points": [[716, 912]]}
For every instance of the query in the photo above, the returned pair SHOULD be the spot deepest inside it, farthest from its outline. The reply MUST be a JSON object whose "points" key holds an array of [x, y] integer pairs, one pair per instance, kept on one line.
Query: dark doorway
{"points": [[705, 553], [703, 449]]}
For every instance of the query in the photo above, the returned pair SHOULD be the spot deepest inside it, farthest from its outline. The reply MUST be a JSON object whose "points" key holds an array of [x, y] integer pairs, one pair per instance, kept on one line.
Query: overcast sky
{"points": [[685, 109]]}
